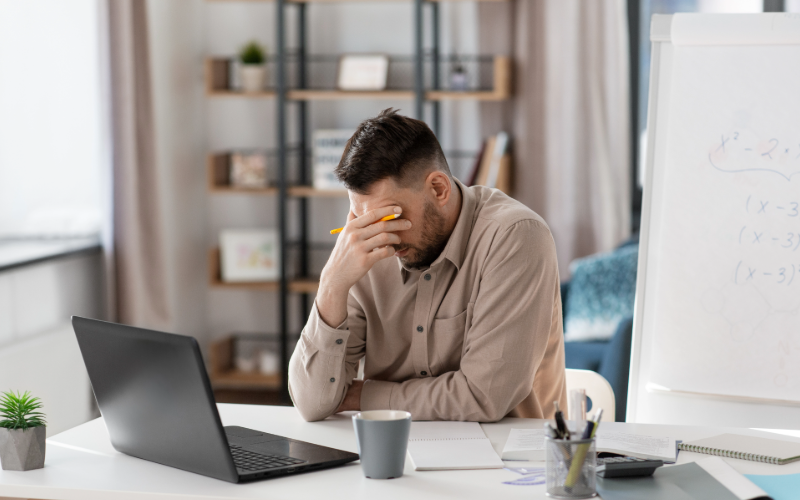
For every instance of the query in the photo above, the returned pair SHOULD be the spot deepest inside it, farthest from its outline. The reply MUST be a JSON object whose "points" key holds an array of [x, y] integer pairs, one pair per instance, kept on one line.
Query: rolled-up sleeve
{"points": [[509, 325], [324, 364]]}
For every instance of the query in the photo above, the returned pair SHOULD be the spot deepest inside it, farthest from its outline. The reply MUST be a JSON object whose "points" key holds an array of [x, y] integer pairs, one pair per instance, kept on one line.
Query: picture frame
{"points": [[248, 170], [362, 72], [249, 255]]}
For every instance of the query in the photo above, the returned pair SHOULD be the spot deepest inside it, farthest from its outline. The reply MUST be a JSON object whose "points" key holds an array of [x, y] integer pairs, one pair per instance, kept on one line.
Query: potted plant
{"points": [[22, 432], [253, 71]]}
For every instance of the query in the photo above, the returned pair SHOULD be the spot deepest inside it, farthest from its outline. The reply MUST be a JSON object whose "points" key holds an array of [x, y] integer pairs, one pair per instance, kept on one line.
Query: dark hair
{"points": [[390, 146]]}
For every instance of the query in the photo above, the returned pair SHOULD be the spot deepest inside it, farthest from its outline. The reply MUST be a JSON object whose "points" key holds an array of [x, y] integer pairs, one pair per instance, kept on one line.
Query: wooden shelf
{"points": [[264, 94], [311, 192], [218, 82], [218, 175], [215, 280], [338, 95], [224, 376]]}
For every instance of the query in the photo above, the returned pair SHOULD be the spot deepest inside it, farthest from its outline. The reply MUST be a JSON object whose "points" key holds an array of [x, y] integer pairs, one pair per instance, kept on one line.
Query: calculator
{"points": [[609, 467]]}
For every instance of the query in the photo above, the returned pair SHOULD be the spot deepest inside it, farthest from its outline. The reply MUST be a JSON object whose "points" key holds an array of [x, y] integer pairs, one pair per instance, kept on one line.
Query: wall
{"points": [[38, 350]]}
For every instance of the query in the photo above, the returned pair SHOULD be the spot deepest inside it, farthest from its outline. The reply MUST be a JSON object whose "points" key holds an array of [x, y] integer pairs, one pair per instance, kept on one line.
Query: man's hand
{"points": [[352, 400], [360, 245]]}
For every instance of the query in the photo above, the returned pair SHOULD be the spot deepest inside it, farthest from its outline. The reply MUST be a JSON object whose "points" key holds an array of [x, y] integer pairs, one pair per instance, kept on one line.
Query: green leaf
{"points": [[18, 411]]}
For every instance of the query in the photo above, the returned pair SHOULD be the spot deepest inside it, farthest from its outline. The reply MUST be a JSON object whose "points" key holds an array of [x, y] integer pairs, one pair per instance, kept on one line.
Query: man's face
{"points": [[424, 242]]}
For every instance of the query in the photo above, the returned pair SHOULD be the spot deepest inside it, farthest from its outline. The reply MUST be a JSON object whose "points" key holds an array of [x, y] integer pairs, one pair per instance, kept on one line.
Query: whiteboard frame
{"points": [[648, 403]]}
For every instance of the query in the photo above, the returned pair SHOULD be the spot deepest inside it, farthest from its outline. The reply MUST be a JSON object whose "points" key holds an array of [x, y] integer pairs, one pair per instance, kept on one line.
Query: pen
{"points": [[562, 426], [388, 217], [580, 453], [551, 433]]}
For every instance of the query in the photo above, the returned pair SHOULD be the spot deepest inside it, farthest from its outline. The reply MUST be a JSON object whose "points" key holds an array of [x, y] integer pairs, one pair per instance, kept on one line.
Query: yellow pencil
{"points": [[388, 217]]}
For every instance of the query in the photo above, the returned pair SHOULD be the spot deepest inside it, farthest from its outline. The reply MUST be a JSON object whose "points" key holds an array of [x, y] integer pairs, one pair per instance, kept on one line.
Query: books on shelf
{"points": [[249, 255], [493, 166], [328, 147]]}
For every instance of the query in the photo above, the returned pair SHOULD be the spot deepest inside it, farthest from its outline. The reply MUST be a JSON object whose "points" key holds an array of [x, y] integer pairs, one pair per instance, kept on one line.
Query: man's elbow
{"points": [[309, 411]]}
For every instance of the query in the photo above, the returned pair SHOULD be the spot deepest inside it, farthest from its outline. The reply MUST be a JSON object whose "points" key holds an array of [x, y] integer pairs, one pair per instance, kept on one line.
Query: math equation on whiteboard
{"points": [[742, 151]]}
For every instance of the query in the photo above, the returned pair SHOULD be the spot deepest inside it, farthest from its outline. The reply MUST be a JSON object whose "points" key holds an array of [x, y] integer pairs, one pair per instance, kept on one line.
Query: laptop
{"points": [[154, 394]]}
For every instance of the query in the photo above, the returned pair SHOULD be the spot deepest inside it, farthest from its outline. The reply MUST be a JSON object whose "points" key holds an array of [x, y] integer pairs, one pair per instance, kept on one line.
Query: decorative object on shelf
{"points": [[459, 79], [253, 72], [269, 362], [250, 255], [22, 432], [248, 170], [494, 169], [328, 147], [363, 72]]}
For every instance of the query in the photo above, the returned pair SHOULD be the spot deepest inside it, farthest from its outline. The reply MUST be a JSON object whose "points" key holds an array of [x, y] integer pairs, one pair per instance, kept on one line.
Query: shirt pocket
{"points": [[447, 339]]}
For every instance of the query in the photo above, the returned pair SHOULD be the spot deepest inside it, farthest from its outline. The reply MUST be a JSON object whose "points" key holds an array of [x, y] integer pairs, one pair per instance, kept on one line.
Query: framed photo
{"points": [[249, 255], [328, 148], [248, 170], [363, 72]]}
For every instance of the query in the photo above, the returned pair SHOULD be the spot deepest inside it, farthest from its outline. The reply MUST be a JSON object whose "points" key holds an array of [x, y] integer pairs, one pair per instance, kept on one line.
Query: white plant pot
{"points": [[254, 77], [22, 450]]}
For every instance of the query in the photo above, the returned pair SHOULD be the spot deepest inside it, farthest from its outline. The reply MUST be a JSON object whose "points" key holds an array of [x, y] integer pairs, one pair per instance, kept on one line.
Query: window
{"points": [[52, 147]]}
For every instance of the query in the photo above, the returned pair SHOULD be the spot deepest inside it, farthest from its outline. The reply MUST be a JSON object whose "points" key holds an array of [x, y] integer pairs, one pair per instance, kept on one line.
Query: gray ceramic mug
{"points": [[382, 439]]}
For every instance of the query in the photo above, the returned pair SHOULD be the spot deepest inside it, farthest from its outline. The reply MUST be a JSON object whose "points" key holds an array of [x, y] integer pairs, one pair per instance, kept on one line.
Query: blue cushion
{"points": [[601, 294]]}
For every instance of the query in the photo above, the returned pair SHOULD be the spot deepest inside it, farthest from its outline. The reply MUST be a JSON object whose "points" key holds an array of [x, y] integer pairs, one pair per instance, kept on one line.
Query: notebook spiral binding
{"points": [[729, 454]]}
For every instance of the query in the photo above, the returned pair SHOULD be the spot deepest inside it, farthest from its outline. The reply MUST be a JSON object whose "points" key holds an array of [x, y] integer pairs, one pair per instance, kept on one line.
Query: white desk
{"points": [[82, 465]]}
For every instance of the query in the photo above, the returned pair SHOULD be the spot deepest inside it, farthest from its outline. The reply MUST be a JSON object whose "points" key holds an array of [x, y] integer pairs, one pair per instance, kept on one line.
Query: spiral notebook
{"points": [[451, 446], [756, 449]]}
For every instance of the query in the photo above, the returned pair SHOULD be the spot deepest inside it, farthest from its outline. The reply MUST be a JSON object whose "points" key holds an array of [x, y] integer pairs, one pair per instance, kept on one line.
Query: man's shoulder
{"points": [[497, 209]]}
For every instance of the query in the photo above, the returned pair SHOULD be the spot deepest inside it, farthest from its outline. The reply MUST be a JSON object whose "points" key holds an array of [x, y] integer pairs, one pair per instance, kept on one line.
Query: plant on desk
{"points": [[22, 432]]}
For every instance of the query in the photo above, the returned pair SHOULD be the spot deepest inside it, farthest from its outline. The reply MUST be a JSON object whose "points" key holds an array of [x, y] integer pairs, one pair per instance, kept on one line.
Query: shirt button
{"points": [[333, 379], [419, 328], [423, 373], [339, 341], [427, 277]]}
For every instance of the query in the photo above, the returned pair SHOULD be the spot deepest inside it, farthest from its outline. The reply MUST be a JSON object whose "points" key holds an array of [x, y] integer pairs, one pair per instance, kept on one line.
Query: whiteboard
{"points": [[717, 318]]}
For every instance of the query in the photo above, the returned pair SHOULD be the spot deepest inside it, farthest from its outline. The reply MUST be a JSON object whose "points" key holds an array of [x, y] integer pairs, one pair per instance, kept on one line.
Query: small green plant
{"points": [[19, 411], [252, 53]]}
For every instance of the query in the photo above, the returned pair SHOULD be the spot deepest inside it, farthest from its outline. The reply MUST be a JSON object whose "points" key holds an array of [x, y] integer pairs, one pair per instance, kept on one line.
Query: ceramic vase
{"points": [[22, 449]]}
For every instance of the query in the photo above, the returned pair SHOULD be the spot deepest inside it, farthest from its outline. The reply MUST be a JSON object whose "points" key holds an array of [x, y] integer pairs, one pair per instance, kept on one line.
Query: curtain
{"points": [[139, 282], [569, 116]]}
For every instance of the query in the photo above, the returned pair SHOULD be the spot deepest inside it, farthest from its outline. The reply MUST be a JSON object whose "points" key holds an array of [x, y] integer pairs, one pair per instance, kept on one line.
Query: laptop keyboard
{"points": [[250, 461]]}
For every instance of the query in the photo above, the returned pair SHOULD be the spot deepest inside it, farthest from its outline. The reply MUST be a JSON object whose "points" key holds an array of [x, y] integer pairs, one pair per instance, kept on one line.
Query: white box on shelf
{"points": [[249, 255], [366, 72], [328, 146]]}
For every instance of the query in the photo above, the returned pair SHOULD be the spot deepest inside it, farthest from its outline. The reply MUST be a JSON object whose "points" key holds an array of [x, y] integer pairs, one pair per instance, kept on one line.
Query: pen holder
{"points": [[571, 468]]}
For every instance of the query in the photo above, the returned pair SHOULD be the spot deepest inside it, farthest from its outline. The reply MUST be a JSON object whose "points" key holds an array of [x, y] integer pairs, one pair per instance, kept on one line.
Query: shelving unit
{"points": [[293, 91]]}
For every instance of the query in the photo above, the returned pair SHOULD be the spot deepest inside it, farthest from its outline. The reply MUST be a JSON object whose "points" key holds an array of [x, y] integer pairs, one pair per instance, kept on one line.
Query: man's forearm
{"points": [[332, 303]]}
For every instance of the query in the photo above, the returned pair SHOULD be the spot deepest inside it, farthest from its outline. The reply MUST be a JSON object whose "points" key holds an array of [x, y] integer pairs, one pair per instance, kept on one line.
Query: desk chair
{"points": [[597, 388]]}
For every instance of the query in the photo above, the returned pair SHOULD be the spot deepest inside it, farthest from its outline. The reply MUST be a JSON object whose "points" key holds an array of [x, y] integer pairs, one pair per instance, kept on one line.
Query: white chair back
{"points": [[597, 388]]}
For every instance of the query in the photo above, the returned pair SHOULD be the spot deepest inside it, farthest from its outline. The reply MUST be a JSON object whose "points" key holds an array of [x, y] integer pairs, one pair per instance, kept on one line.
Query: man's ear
{"points": [[439, 185]]}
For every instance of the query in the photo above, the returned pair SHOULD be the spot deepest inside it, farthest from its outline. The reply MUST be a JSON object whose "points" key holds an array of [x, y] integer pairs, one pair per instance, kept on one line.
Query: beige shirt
{"points": [[477, 336]]}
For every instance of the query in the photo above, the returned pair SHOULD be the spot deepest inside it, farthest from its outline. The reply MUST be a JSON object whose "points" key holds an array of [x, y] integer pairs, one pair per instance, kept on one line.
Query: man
{"points": [[454, 306]]}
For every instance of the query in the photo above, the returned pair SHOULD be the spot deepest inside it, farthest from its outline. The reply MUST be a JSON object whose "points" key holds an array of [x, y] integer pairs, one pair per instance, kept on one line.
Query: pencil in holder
{"points": [[571, 468]]}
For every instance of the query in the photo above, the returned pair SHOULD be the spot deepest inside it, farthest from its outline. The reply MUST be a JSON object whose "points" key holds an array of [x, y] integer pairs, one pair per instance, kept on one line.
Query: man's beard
{"points": [[434, 239]]}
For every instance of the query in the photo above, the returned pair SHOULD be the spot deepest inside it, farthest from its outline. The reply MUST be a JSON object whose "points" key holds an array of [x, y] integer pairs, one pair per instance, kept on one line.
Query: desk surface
{"points": [[82, 465]]}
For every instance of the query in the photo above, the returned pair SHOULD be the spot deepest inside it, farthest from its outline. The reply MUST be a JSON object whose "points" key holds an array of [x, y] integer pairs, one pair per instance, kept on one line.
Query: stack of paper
{"points": [[528, 444], [451, 445]]}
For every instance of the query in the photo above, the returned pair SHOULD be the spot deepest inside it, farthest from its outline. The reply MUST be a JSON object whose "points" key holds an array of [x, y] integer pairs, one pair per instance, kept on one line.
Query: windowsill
{"points": [[19, 253]]}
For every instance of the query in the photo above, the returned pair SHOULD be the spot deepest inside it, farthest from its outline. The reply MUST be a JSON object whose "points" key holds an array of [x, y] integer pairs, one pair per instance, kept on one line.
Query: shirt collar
{"points": [[456, 245]]}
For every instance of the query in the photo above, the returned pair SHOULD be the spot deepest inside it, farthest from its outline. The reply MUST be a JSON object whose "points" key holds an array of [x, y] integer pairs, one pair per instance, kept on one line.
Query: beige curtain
{"points": [[569, 116], [138, 242]]}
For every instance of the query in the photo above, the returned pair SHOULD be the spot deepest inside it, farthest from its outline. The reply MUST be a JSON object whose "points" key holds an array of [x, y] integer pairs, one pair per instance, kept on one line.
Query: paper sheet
{"points": [[528, 444], [637, 445]]}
